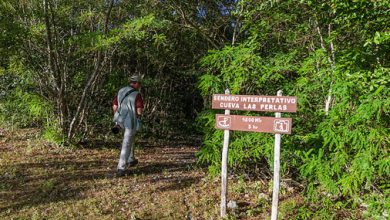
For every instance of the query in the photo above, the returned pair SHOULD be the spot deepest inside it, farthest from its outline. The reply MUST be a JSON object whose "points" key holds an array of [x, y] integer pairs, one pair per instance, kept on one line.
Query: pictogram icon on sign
{"points": [[224, 122], [281, 125]]}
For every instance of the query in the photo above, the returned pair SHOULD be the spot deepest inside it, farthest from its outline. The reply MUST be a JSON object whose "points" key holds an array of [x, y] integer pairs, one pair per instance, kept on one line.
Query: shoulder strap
{"points": [[126, 94]]}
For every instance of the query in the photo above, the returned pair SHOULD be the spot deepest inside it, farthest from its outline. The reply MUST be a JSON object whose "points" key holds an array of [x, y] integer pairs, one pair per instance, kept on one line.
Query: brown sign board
{"points": [[255, 103], [253, 123]]}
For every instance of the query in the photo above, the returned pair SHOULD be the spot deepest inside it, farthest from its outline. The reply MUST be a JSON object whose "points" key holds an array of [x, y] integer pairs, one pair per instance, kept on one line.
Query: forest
{"points": [[63, 62]]}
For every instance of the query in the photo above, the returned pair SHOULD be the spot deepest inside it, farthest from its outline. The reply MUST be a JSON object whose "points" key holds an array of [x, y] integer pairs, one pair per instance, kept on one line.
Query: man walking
{"points": [[128, 106]]}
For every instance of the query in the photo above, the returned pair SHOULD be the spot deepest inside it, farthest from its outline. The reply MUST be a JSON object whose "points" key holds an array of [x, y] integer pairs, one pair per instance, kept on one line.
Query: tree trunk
{"points": [[332, 62], [100, 57], [53, 66]]}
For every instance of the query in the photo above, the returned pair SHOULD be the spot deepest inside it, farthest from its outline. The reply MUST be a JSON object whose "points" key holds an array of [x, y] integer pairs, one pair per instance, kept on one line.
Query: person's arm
{"points": [[115, 104], [139, 104], [139, 112]]}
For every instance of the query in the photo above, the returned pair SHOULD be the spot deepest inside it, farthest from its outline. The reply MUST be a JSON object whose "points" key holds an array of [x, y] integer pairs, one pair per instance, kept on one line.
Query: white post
{"points": [[275, 193], [224, 166]]}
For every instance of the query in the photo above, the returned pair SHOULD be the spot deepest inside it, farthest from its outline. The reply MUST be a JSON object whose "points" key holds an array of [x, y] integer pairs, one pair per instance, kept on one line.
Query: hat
{"points": [[135, 78]]}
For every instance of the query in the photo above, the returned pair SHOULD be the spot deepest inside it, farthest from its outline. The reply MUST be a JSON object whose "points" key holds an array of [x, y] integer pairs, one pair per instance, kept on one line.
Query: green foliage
{"points": [[22, 106], [352, 159], [230, 68], [134, 30], [315, 51], [52, 133]]}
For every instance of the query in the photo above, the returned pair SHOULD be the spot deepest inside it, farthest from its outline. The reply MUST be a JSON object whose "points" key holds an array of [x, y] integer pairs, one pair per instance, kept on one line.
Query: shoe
{"points": [[133, 163], [120, 173]]}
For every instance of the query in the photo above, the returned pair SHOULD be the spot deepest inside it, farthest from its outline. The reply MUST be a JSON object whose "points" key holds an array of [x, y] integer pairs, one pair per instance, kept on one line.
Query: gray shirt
{"points": [[126, 113]]}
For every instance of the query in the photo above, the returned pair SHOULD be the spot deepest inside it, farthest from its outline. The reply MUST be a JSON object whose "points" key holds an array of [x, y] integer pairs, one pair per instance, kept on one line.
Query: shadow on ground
{"points": [[60, 177]]}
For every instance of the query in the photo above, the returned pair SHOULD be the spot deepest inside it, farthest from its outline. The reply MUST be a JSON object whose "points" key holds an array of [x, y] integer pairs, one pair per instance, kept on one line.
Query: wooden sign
{"points": [[255, 103], [252, 123], [276, 125]]}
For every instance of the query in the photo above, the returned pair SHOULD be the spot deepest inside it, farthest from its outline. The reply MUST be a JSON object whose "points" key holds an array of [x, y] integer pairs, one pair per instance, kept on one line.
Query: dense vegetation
{"points": [[61, 63]]}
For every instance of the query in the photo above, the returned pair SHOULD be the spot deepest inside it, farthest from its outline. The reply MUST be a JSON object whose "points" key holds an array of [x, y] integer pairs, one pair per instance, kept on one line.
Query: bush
{"points": [[342, 154], [21, 106]]}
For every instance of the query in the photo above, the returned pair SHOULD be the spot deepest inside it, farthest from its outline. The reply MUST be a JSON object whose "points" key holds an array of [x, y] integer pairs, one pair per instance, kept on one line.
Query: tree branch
{"points": [[190, 24], [87, 88]]}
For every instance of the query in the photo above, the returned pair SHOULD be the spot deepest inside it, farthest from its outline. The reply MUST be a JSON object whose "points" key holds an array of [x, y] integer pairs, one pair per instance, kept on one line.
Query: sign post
{"points": [[275, 192], [275, 125], [224, 163]]}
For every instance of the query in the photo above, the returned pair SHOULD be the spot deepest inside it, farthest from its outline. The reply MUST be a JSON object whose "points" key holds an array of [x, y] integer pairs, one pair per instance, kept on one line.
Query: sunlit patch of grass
{"points": [[287, 208]]}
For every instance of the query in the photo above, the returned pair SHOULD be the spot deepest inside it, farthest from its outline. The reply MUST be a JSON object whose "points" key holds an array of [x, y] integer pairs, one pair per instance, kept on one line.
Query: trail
{"points": [[49, 181], [39, 181]]}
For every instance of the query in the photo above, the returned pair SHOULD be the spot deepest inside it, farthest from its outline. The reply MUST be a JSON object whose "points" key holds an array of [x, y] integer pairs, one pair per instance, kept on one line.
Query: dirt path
{"points": [[40, 181]]}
